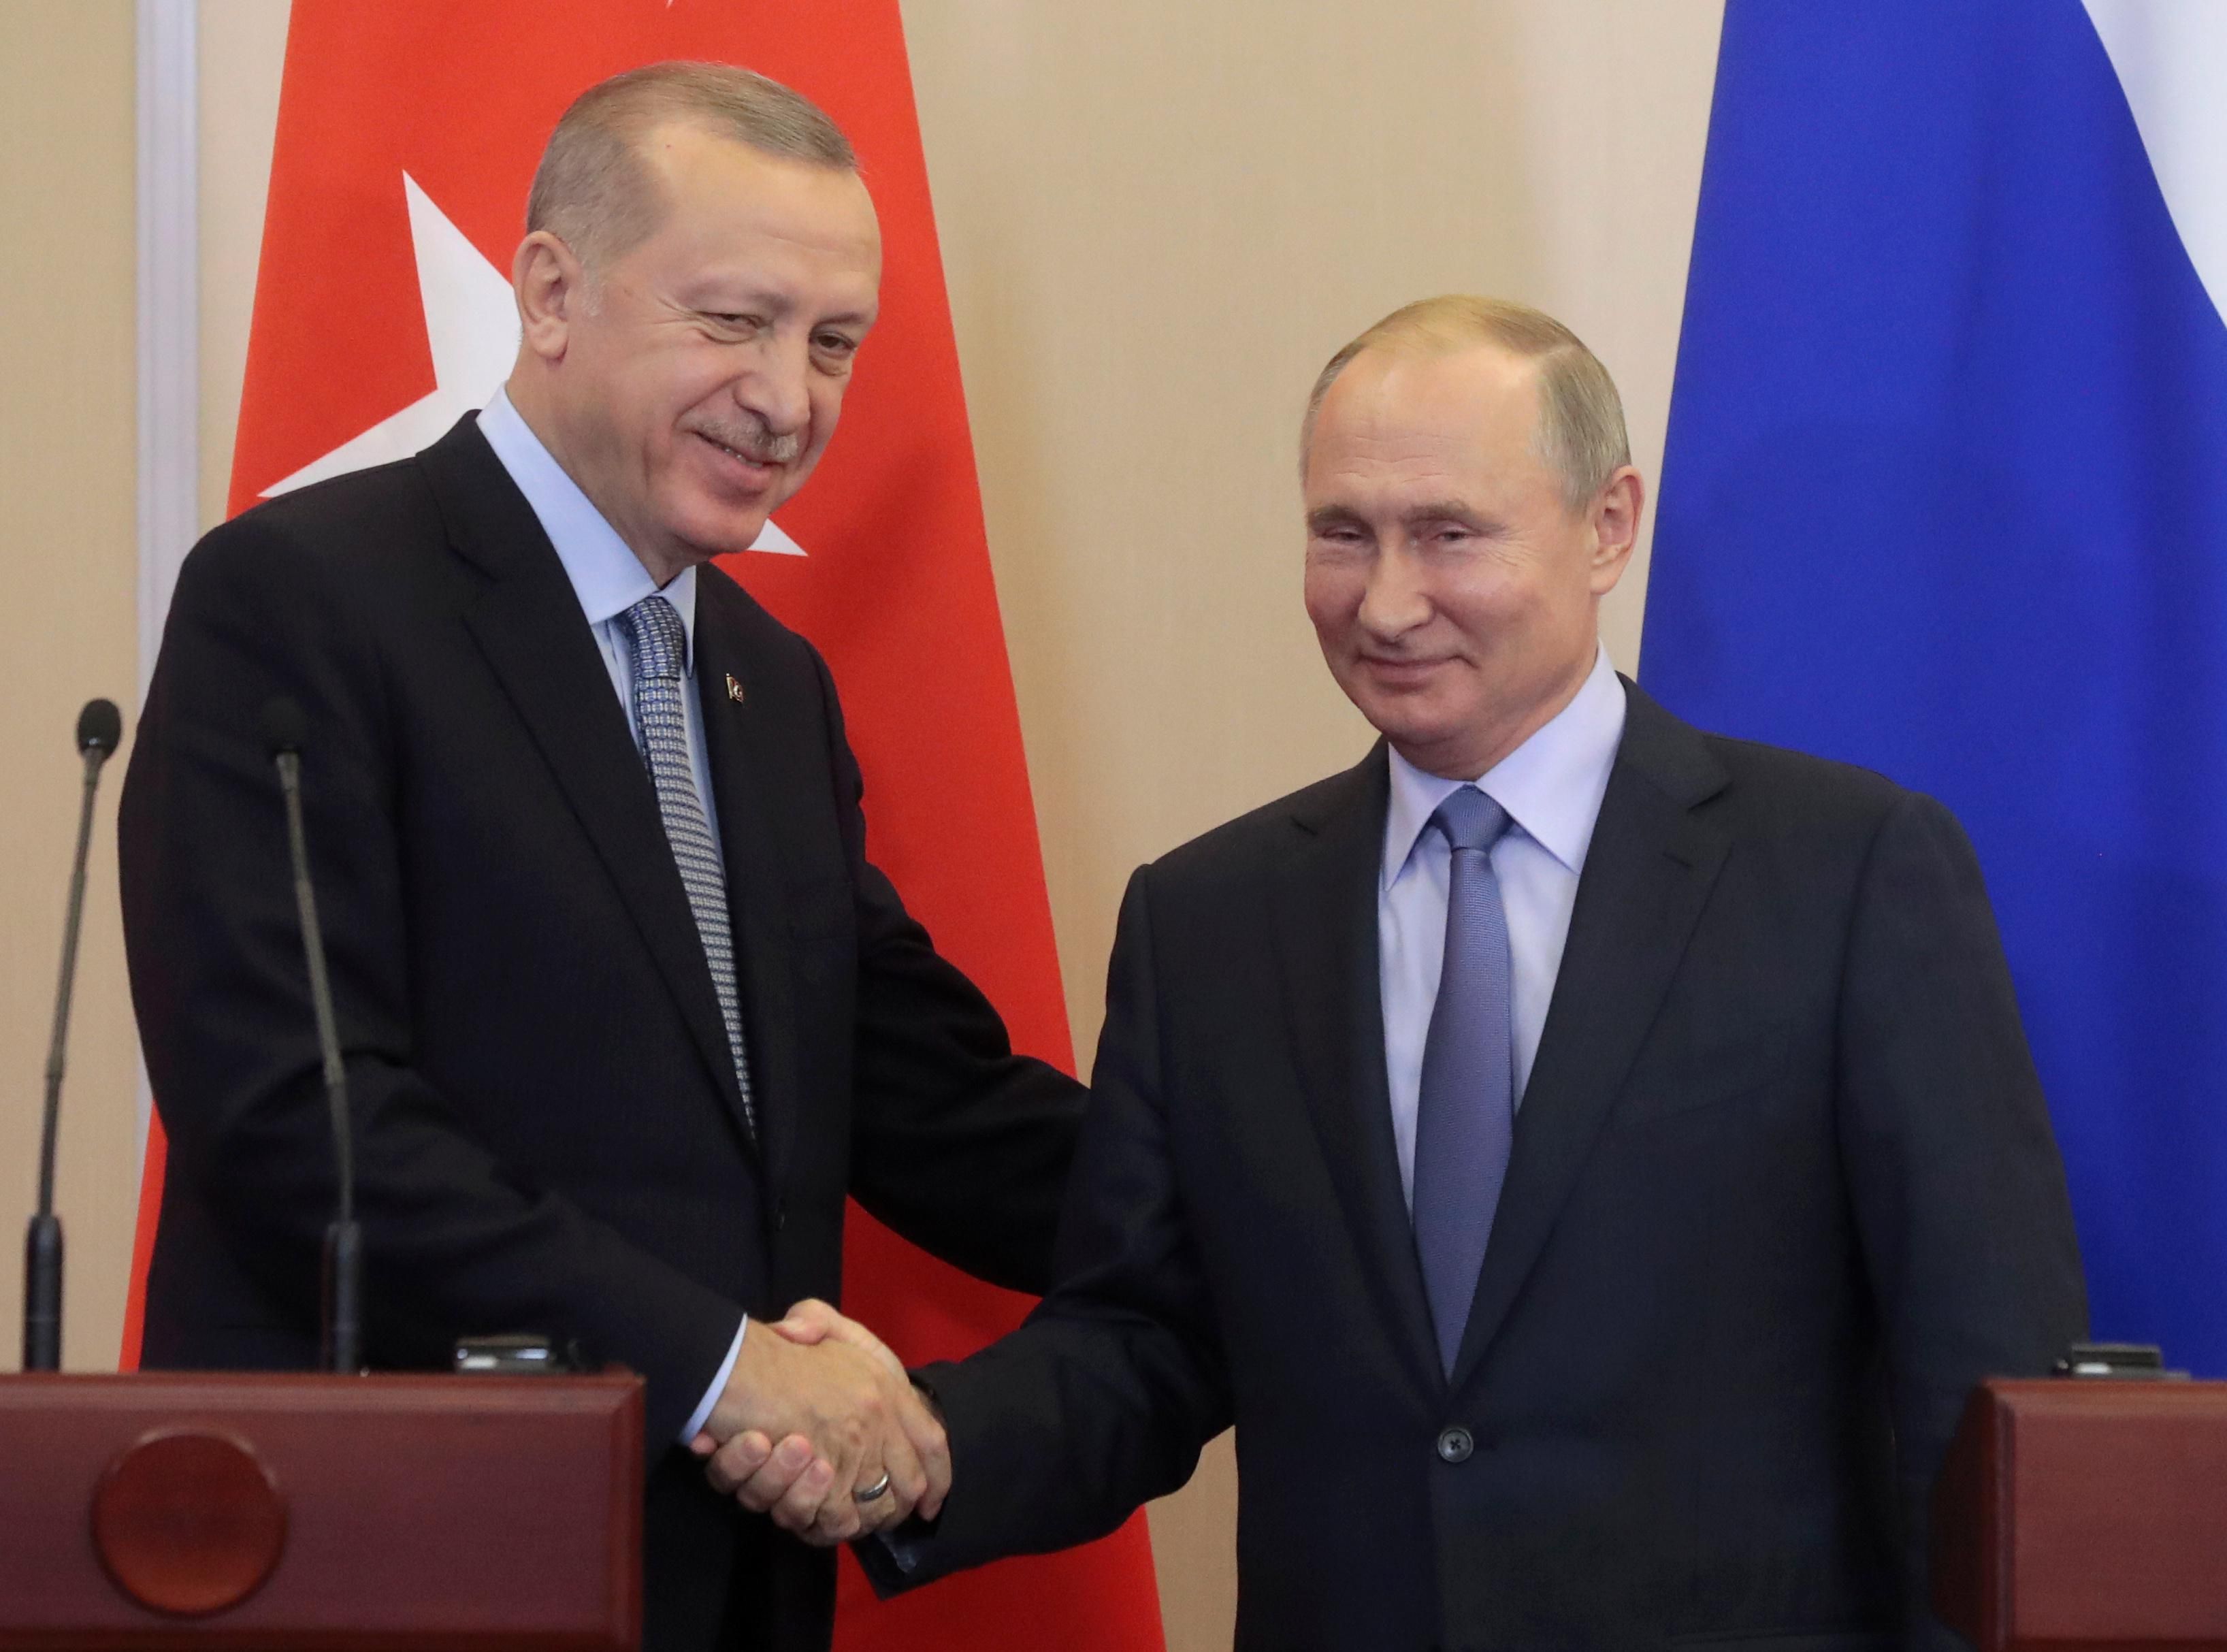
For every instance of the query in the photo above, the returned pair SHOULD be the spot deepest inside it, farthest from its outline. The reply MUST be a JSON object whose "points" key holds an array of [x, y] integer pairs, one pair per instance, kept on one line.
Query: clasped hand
{"points": [[817, 1412]]}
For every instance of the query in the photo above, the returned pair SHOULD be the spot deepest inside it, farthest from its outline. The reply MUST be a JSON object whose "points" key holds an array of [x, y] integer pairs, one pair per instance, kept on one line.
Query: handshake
{"points": [[819, 1427]]}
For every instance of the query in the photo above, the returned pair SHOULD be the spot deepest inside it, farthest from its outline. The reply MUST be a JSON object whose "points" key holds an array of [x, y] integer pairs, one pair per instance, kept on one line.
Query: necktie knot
{"points": [[1470, 820], [658, 639]]}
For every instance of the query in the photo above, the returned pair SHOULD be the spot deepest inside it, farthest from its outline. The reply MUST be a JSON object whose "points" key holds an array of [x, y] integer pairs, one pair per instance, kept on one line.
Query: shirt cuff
{"points": [[702, 1414]]}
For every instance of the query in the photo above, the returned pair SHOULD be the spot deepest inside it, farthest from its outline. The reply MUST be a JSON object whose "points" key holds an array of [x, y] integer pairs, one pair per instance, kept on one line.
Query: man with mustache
{"points": [[1588, 1160], [626, 1011]]}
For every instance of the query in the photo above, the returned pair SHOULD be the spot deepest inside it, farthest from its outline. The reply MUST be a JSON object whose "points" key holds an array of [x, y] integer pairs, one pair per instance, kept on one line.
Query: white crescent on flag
{"points": [[471, 326]]}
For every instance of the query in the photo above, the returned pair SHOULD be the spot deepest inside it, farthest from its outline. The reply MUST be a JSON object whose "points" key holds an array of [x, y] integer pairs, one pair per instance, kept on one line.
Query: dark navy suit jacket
{"points": [[1783, 1190]]}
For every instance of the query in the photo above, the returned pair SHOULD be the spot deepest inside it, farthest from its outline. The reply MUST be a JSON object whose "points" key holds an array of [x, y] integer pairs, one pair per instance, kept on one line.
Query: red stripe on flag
{"points": [[895, 589], [142, 1242]]}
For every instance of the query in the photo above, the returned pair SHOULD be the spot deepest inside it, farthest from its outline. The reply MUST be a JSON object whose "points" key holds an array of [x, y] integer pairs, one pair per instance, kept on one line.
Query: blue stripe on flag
{"points": [[1946, 494]]}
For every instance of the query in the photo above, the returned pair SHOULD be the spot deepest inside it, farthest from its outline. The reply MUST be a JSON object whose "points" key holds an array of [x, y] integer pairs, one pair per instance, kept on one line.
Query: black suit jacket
{"points": [[548, 1129], [1782, 1189]]}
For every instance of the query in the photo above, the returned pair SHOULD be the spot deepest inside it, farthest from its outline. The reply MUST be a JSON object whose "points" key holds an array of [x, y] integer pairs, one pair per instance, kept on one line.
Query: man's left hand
{"points": [[775, 1479]]}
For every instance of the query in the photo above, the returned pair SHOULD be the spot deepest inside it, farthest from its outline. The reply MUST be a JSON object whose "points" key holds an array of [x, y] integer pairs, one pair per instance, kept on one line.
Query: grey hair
{"points": [[1580, 434], [592, 190]]}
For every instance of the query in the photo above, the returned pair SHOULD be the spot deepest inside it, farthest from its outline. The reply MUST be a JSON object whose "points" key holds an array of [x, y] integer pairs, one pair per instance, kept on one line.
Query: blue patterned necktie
{"points": [[1465, 1112], [660, 645]]}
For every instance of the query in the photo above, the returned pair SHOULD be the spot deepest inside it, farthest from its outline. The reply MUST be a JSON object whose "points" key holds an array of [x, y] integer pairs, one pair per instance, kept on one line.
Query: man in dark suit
{"points": [[1589, 1160], [626, 1011]]}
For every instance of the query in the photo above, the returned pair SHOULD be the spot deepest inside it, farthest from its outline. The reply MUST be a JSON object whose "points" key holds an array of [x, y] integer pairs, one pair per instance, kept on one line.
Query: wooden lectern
{"points": [[303, 1512], [2085, 1517]]}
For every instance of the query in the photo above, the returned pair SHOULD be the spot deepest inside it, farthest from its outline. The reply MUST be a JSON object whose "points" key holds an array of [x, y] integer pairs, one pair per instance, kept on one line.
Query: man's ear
{"points": [[1615, 528], [550, 288]]}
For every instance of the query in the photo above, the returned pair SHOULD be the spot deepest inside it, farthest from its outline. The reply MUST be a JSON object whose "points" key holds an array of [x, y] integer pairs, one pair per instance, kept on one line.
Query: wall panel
{"points": [[67, 630]]}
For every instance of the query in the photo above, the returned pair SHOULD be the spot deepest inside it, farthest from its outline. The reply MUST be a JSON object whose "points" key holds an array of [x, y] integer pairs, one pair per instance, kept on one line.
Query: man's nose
{"points": [[775, 388], [1393, 602]]}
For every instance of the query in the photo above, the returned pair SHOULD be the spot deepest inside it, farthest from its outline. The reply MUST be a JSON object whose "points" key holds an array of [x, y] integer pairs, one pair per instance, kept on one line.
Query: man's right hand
{"points": [[844, 1415]]}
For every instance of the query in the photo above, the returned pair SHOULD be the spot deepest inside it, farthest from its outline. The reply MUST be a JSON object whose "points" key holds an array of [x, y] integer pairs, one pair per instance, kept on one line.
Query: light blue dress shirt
{"points": [[1552, 787], [609, 579]]}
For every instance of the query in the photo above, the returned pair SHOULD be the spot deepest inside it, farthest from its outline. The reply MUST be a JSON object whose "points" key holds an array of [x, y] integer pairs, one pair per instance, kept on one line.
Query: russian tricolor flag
{"points": [[1946, 496]]}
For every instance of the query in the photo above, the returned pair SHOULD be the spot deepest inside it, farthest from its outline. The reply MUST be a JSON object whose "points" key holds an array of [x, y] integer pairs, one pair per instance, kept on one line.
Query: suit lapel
{"points": [[1647, 876], [1325, 899], [528, 623], [737, 738]]}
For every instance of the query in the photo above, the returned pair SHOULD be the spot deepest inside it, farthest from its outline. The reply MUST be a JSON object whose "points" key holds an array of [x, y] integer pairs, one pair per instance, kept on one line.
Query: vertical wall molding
{"points": [[169, 318], [169, 309]]}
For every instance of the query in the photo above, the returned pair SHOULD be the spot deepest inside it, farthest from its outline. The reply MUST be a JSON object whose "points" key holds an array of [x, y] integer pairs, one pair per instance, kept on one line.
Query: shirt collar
{"points": [[607, 577], [1551, 785]]}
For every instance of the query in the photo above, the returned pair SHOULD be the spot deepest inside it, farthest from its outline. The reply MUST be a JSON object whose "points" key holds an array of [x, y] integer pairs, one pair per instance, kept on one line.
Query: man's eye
{"points": [[835, 343]]}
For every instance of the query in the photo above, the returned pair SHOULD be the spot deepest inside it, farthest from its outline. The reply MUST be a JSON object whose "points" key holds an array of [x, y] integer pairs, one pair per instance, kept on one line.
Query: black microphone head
{"points": [[285, 726], [100, 727]]}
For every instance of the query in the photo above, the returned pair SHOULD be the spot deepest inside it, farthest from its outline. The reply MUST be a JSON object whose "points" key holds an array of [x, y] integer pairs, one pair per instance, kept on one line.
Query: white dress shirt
{"points": [[1551, 786], [609, 579]]}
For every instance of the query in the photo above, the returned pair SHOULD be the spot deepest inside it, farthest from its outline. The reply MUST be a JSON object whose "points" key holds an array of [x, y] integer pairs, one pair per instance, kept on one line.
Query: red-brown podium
{"points": [[2085, 1517], [463, 1512]]}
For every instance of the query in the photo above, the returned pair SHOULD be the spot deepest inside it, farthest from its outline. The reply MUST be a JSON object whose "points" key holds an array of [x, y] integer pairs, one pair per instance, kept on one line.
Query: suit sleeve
{"points": [[454, 1241], [1103, 1399], [960, 1144], [1954, 1174]]}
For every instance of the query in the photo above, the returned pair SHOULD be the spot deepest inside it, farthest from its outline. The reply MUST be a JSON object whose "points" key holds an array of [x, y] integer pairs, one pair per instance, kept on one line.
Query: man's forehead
{"points": [[1397, 425], [1423, 388], [1388, 402], [708, 171]]}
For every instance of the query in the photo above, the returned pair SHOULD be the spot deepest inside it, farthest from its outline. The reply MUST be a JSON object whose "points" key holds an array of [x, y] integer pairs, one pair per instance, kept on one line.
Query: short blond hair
{"points": [[592, 190], [1580, 433]]}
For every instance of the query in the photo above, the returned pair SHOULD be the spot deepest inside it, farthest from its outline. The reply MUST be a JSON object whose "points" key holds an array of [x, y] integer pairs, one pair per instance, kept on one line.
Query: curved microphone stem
{"points": [[343, 1277], [43, 1246]]}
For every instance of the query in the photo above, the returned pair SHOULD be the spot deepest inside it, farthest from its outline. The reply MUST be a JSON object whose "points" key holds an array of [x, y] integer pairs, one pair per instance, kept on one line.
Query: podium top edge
{"points": [[2099, 1396], [257, 1390]]}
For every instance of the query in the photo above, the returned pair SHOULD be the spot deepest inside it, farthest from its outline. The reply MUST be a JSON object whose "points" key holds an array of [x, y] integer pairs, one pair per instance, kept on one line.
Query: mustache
{"points": [[755, 440]]}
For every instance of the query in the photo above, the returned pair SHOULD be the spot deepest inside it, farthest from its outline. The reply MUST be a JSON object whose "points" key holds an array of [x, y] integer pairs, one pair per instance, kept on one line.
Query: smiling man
{"points": [[1588, 1160], [626, 1011]]}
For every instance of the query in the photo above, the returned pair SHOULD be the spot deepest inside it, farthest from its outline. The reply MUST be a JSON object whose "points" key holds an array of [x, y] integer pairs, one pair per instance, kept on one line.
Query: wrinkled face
{"points": [[1453, 591], [703, 370]]}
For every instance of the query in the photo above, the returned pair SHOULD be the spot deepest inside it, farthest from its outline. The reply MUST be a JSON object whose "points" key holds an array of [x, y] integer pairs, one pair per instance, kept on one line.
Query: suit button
{"points": [[1455, 1444], [780, 1215]]}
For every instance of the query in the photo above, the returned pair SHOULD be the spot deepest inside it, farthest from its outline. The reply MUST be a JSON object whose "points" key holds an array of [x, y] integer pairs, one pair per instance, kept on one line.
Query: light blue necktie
{"points": [[1466, 1113], [660, 645]]}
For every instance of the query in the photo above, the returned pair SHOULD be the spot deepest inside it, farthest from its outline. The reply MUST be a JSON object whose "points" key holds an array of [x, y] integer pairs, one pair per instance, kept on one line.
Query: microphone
{"points": [[284, 729], [100, 727]]}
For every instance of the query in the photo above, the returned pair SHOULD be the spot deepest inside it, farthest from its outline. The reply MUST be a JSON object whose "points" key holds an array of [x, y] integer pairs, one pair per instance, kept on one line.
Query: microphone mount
{"points": [[100, 729], [284, 731]]}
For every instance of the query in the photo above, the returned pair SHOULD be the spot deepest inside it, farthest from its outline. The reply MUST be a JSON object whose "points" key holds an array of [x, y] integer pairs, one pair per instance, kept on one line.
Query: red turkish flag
{"points": [[407, 134]]}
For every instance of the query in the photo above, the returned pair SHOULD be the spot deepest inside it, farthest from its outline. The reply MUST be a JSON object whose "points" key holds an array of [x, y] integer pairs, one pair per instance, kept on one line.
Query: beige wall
{"points": [[1156, 225], [242, 49], [1158, 219], [68, 628]]}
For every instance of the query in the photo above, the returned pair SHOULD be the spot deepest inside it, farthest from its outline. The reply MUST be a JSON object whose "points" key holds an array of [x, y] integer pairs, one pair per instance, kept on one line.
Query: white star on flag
{"points": [[471, 326]]}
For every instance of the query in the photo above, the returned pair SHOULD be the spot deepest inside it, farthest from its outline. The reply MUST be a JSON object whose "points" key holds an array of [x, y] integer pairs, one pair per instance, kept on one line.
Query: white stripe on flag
{"points": [[2171, 59]]}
